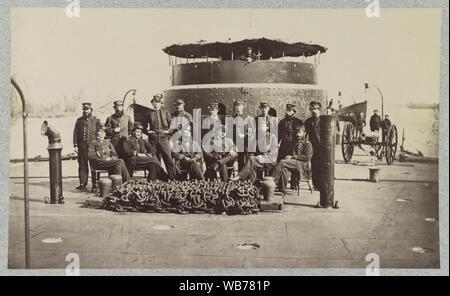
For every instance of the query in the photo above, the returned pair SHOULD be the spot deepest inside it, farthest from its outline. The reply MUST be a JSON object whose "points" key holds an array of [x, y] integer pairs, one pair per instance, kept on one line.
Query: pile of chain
{"points": [[196, 196]]}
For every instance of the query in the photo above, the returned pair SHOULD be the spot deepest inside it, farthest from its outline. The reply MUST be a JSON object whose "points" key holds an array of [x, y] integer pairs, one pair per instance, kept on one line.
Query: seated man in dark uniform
{"points": [[220, 161], [103, 156], [188, 156], [140, 154], [262, 160], [298, 161]]}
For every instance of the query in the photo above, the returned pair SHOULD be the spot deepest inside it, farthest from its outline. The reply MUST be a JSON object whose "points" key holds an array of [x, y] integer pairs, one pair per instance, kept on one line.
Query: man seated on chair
{"points": [[220, 158], [140, 154], [298, 161], [103, 156], [187, 155], [265, 159]]}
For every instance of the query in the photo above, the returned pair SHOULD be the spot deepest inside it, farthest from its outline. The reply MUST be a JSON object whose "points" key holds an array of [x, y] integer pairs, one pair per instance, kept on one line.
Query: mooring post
{"points": [[327, 145], [54, 151]]}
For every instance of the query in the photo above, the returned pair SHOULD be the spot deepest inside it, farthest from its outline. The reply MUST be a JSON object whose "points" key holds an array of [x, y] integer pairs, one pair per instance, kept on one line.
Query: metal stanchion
{"points": [[25, 176]]}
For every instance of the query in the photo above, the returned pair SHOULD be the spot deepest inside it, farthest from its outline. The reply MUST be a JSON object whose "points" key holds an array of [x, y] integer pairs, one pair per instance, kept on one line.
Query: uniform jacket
{"points": [[188, 151], [375, 121], [183, 114], [312, 126], [123, 122], [132, 145], [100, 150], [151, 123], [286, 128], [302, 150], [241, 133], [85, 130], [215, 156]]}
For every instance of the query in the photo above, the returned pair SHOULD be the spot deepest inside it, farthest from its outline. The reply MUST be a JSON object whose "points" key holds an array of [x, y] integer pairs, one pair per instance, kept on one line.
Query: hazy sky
{"points": [[105, 52]]}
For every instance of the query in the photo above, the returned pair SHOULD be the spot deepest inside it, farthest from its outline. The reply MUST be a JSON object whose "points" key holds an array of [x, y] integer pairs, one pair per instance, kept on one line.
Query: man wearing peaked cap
{"points": [[157, 125], [118, 126], [180, 112], [263, 121], [103, 156], [240, 133], [140, 154], [312, 126], [84, 131], [286, 135]]}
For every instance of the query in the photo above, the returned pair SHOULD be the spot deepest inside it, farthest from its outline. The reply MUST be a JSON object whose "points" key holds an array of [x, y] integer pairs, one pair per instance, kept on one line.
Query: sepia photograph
{"points": [[163, 138]]}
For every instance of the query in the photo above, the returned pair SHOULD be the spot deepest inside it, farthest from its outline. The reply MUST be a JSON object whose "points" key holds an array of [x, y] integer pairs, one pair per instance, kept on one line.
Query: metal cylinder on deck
{"points": [[54, 151], [327, 145], [116, 181], [105, 187]]}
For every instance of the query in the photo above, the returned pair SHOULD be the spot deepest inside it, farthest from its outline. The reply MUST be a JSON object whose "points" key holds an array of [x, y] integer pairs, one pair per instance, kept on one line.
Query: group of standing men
{"points": [[296, 148]]}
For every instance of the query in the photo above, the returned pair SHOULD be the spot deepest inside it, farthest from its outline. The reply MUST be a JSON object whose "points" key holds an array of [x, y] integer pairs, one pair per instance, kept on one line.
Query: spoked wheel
{"points": [[348, 142], [391, 144]]}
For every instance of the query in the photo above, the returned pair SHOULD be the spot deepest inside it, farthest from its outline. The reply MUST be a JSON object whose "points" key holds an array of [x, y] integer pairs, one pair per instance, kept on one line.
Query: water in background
{"points": [[421, 132]]}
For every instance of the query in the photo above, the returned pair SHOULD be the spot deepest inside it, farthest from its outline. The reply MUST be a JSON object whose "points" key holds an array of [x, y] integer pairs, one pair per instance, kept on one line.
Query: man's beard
{"points": [[86, 114], [119, 113]]}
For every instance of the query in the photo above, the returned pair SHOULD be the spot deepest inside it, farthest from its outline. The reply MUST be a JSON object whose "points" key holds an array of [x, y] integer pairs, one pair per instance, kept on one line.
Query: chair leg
{"points": [[310, 186], [298, 187]]}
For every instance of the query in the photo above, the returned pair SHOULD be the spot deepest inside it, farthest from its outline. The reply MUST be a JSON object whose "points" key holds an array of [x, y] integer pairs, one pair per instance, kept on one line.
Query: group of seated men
{"points": [[290, 152]]}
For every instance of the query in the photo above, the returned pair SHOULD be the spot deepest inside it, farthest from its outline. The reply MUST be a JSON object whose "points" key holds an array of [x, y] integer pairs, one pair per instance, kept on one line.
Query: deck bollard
{"points": [[374, 175], [54, 151], [327, 145]]}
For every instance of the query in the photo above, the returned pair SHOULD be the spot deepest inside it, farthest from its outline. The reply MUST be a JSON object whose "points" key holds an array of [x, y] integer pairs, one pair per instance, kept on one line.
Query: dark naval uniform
{"points": [[157, 125], [189, 160], [85, 131], [243, 134], [132, 147], [312, 126], [219, 161], [99, 151], [301, 153], [286, 134], [124, 123]]}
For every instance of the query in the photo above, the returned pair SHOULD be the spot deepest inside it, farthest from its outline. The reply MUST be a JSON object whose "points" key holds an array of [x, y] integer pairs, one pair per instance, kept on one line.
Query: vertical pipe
{"points": [[326, 152], [25, 175]]}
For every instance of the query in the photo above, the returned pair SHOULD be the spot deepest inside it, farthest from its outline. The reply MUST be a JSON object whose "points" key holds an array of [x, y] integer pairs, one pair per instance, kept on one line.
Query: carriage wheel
{"points": [[391, 144], [348, 142]]}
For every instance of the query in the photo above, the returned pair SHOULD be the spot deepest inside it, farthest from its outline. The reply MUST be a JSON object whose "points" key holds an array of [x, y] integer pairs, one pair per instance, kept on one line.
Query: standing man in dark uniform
{"points": [[140, 154], [118, 127], [157, 125], [242, 133], [103, 156], [264, 107], [85, 131], [286, 131], [180, 112], [312, 125], [375, 121], [286, 136]]}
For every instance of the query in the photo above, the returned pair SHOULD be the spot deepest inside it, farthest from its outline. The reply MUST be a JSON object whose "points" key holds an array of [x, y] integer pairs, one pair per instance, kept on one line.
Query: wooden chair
{"points": [[304, 181], [96, 176]]}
